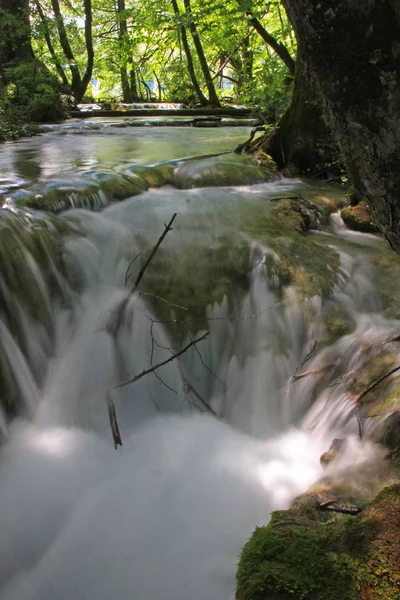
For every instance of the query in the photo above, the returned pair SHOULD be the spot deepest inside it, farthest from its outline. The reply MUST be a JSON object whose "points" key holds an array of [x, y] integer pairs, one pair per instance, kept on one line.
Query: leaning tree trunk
{"points": [[351, 51]]}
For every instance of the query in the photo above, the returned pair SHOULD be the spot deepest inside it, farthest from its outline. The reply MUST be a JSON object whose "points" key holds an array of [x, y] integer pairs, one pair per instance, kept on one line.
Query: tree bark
{"points": [[192, 74], [212, 94], [301, 138], [351, 55]]}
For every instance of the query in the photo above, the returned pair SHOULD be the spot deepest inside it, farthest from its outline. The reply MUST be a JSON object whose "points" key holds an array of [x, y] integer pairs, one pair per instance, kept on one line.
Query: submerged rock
{"points": [[224, 170]]}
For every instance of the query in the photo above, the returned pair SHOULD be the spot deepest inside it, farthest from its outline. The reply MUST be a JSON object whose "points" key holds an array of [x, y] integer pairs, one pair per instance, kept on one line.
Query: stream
{"points": [[164, 517]]}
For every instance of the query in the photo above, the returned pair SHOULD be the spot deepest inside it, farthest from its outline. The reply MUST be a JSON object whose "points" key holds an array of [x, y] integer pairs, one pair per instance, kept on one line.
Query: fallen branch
{"points": [[163, 363], [113, 422], [313, 371], [306, 358], [375, 383], [346, 509]]}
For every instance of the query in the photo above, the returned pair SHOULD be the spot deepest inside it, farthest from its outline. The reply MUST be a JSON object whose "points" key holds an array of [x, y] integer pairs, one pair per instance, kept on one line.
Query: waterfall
{"points": [[166, 515]]}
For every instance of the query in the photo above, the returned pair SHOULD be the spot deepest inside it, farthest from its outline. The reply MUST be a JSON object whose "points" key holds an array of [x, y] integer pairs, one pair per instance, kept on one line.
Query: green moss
{"points": [[198, 277], [374, 368], [299, 261], [156, 176], [337, 323], [298, 557], [359, 218]]}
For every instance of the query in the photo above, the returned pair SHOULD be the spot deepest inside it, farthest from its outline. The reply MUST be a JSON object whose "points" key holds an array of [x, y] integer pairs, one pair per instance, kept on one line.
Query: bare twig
{"points": [[239, 149], [306, 358], [117, 317], [164, 362], [168, 227], [315, 371], [130, 266], [154, 342], [113, 422], [195, 393], [375, 383]]}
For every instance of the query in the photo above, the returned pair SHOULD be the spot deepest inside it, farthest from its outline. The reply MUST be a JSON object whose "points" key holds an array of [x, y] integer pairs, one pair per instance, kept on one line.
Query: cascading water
{"points": [[167, 514]]}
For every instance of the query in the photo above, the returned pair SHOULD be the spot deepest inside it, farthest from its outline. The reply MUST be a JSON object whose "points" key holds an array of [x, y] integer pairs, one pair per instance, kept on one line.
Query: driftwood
{"points": [[333, 506]]}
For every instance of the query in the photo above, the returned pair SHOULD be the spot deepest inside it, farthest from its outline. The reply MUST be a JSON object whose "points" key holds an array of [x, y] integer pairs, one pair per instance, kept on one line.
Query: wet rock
{"points": [[300, 213], [118, 186], [359, 218], [225, 170], [153, 176], [335, 450]]}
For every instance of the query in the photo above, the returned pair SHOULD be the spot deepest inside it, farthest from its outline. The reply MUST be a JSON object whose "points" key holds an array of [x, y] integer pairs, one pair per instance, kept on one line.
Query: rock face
{"points": [[351, 52], [307, 554]]}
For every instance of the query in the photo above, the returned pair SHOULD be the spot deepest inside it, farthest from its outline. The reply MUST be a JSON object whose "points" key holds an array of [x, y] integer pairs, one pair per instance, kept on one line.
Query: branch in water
{"points": [[164, 362], [375, 383], [117, 318], [112, 414]]}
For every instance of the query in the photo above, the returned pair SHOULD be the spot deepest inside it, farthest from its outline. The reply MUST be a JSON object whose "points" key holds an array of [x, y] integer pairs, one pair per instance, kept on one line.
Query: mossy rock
{"points": [[359, 218], [118, 186], [225, 170], [338, 323], [198, 276], [375, 366], [305, 556], [296, 258], [154, 176]]}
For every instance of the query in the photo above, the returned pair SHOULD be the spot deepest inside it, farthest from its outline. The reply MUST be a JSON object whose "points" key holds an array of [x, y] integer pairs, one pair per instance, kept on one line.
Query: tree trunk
{"points": [[301, 139], [202, 99], [351, 51], [212, 94], [49, 43]]}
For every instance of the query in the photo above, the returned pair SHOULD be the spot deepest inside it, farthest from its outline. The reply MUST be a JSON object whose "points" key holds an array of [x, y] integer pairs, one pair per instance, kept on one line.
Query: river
{"points": [[164, 517]]}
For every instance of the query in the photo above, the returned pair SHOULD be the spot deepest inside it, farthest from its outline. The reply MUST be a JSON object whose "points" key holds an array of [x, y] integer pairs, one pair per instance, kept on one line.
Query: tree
{"points": [[79, 82], [351, 54], [26, 82]]}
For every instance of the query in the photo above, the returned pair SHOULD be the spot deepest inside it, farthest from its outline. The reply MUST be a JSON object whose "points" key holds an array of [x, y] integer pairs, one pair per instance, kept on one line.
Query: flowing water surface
{"points": [[165, 516]]}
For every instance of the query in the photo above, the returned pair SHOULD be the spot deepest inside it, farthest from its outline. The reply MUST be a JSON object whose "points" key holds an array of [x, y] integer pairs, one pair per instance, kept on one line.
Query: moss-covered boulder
{"points": [[359, 218], [224, 170], [307, 554], [154, 176], [118, 186]]}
